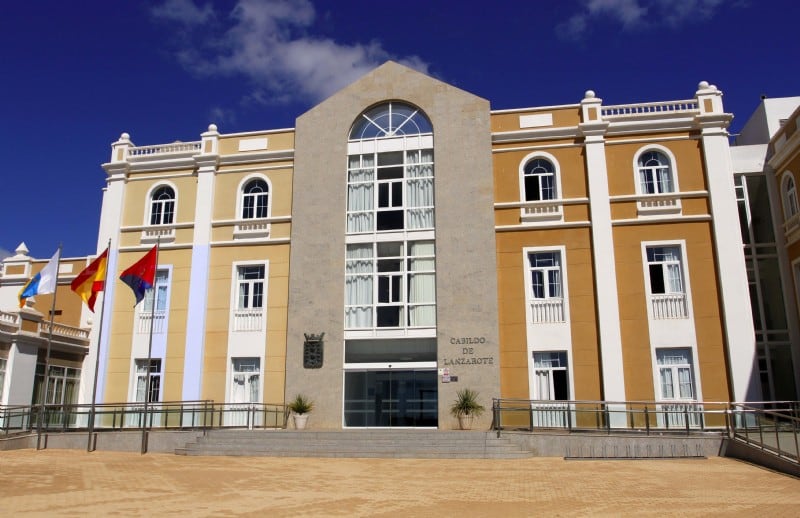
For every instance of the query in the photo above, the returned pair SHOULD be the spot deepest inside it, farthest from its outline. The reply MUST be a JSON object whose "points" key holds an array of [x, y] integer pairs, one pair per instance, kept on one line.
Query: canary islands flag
{"points": [[92, 280], [141, 275], [43, 282]]}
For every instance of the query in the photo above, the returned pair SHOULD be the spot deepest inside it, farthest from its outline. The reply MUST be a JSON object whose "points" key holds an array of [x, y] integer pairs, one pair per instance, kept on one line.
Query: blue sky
{"points": [[77, 74]]}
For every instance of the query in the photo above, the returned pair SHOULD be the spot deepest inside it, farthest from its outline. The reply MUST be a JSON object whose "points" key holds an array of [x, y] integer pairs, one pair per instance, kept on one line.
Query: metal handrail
{"points": [[772, 430], [166, 415]]}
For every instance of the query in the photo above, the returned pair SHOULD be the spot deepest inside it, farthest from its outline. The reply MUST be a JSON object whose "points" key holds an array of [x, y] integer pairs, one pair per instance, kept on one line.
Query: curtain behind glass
{"points": [[360, 194], [358, 286], [422, 284], [419, 189]]}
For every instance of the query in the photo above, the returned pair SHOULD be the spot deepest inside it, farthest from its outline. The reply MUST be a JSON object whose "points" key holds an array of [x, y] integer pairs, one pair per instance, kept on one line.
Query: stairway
{"points": [[416, 444]]}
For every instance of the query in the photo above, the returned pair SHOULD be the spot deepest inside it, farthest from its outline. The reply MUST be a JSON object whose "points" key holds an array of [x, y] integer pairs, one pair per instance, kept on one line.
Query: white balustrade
{"points": [[63, 330], [162, 232], [157, 320], [9, 319], [660, 203], [164, 149], [677, 415], [668, 305], [542, 210], [252, 228], [649, 109], [248, 319], [546, 311]]}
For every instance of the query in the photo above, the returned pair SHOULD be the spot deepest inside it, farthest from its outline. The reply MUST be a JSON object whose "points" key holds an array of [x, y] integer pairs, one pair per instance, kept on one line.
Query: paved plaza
{"points": [[76, 483]]}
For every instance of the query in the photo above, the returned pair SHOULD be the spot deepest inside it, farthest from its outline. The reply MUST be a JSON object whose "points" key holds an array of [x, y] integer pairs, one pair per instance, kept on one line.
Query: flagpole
{"points": [[150, 350], [89, 447], [43, 399]]}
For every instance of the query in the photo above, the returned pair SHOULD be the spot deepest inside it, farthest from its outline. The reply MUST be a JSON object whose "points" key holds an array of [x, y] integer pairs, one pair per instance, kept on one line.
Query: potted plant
{"points": [[466, 407], [300, 406]]}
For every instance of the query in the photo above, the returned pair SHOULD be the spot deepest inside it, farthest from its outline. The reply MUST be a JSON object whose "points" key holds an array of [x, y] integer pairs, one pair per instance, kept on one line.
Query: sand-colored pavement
{"points": [[76, 483]]}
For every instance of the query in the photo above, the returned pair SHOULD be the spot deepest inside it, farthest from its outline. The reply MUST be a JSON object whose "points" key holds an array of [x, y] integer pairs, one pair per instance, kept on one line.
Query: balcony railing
{"points": [[547, 210], [669, 305], [248, 319], [158, 233], [660, 204], [9, 320], [63, 330], [547, 311], [252, 228], [164, 149], [157, 319], [688, 106]]}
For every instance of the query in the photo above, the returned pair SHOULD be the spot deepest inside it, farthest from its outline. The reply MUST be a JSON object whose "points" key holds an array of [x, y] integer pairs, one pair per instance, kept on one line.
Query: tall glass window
{"points": [[154, 392], [255, 199], [540, 180], [251, 287], [676, 378], [655, 173], [162, 206]]}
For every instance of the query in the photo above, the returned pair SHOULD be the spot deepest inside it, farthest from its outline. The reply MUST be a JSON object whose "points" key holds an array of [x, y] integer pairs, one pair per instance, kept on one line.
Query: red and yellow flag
{"points": [[92, 280]]}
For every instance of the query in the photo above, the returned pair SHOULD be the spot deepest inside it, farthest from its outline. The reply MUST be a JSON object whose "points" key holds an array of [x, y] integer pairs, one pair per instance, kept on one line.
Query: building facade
{"points": [[404, 241]]}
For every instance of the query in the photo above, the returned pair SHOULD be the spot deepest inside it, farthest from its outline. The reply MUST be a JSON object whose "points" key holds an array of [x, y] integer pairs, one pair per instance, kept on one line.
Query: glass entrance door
{"points": [[390, 398]]}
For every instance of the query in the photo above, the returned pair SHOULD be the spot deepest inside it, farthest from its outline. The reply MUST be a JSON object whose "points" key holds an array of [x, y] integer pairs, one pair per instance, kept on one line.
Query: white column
{"points": [[110, 222], [609, 333], [206, 164], [734, 293]]}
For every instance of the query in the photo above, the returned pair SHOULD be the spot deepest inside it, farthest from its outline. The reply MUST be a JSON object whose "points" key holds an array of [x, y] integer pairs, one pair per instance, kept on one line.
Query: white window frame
{"points": [[163, 231], [658, 203], [670, 304], [675, 368], [252, 227], [791, 206], [158, 376], [248, 319], [549, 369], [541, 210], [144, 311], [550, 309], [247, 374], [406, 274]]}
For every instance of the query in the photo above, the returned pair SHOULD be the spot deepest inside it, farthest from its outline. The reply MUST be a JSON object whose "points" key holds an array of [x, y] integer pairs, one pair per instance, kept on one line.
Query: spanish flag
{"points": [[92, 280]]}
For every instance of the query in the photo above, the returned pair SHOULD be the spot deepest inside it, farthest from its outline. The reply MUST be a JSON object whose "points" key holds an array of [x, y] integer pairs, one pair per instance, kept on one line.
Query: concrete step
{"points": [[355, 443]]}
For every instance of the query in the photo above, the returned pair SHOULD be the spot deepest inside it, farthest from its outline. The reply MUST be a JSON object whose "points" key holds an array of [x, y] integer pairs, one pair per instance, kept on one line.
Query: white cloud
{"points": [[638, 14], [267, 42]]}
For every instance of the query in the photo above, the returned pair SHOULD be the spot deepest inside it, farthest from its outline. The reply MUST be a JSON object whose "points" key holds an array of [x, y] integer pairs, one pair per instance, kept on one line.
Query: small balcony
{"points": [[669, 306], [547, 311], [543, 210]]}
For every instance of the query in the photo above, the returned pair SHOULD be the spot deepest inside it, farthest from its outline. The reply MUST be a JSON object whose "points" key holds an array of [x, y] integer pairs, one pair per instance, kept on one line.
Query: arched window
{"points": [[255, 199], [540, 180], [791, 206], [162, 206], [655, 173]]}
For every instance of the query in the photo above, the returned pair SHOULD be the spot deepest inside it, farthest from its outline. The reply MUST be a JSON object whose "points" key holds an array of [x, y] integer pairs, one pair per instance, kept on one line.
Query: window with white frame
{"points": [[158, 294], [551, 376], [390, 186], [545, 288], [155, 307], [245, 380], [791, 206], [62, 385], [655, 173], [539, 178], [140, 381], [675, 374], [667, 291], [390, 285], [255, 199], [162, 206], [2, 376], [250, 280], [249, 292]]}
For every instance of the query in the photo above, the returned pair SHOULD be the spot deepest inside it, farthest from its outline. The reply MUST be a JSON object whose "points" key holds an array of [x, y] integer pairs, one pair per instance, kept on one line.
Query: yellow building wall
{"points": [[562, 117], [229, 144], [512, 279], [227, 191], [215, 363], [136, 209], [702, 284]]}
